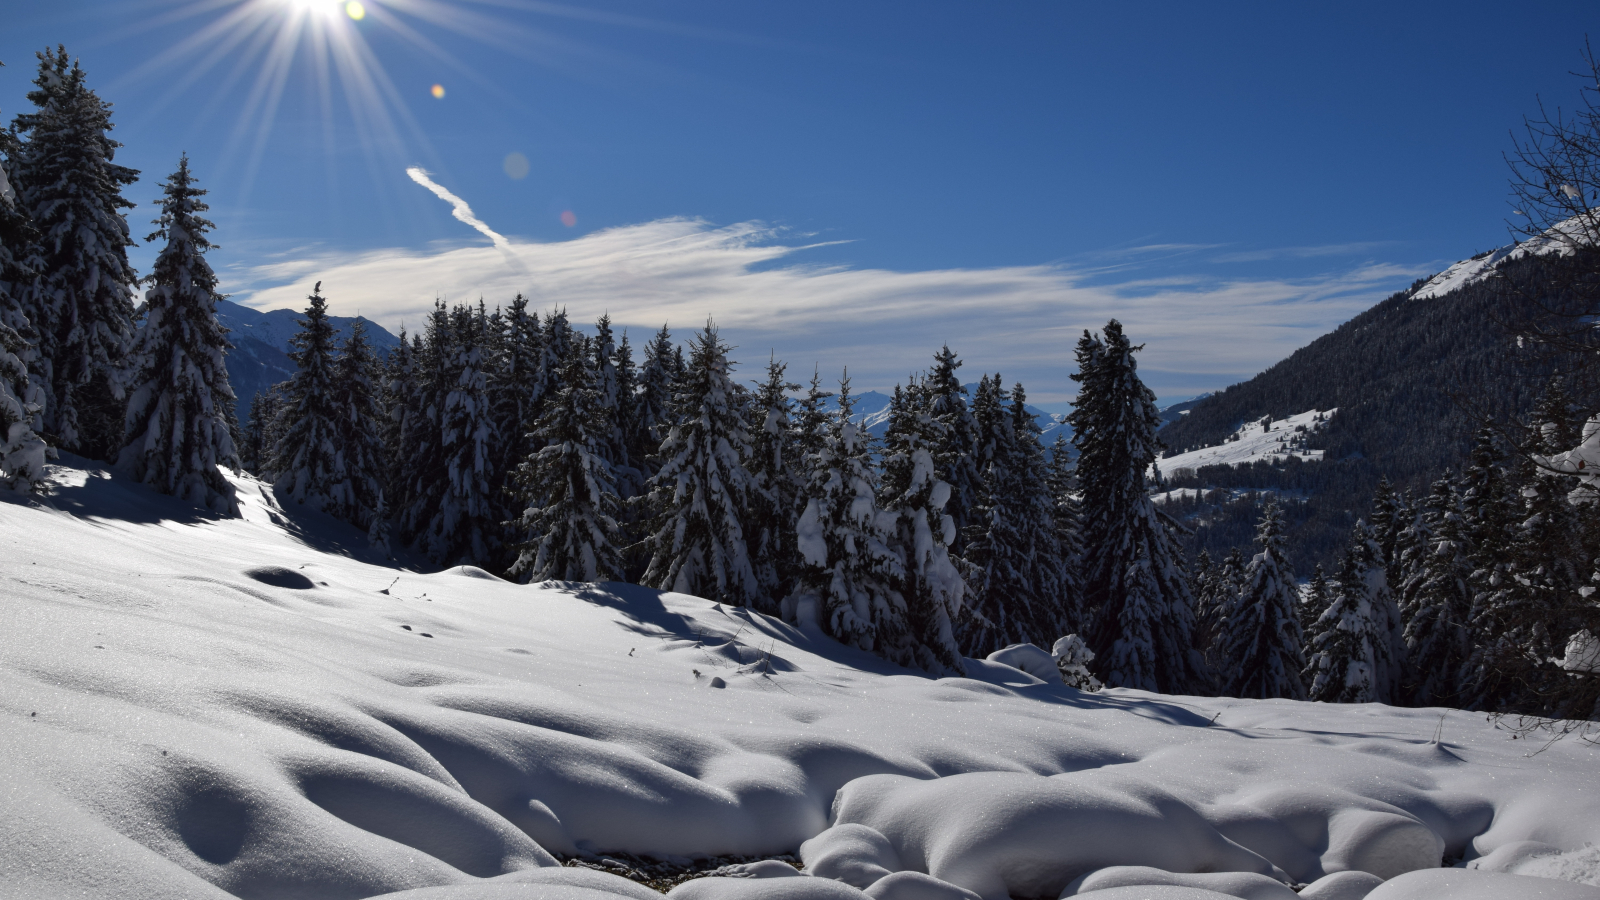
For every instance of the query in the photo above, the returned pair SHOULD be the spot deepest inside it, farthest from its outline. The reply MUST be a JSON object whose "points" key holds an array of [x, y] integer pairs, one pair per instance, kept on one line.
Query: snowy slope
{"points": [[201, 708], [1559, 239], [1254, 442]]}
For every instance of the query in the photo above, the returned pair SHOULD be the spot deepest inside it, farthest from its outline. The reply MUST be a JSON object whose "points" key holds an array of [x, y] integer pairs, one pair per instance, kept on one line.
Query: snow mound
{"points": [[1341, 886], [1257, 441], [1460, 884], [1031, 659], [174, 724], [1244, 885]]}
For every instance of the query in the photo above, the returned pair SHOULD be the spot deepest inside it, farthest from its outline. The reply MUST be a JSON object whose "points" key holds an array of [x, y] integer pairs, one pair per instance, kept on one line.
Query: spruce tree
{"points": [[955, 456], [777, 485], [305, 464], [399, 400], [261, 431], [701, 490], [1062, 485], [358, 431], [71, 188], [632, 450], [1316, 600], [929, 583], [1349, 647], [569, 521], [1261, 638], [466, 530], [176, 426], [1133, 579], [515, 392], [846, 584], [1436, 601], [1015, 578], [421, 457], [22, 398], [654, 406]]}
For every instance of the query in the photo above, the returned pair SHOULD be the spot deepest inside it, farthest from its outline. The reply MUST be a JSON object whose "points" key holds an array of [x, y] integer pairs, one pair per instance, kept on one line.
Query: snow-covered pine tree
{"points": [[557, 339], [929, 584], [811, 421], [1015, 582], [1349, 647], [71, 189], [304, 459], [701, 490], [176, 428], [515, 396], [848, 570], [955, 457], [1143, 636], [608, 396], [1261, 638], [398, 397], [1387, 520], [358, 419], [778, 484], [421, 462], [1435, 600], [1316, 599], [467, 529], [654, 407], [1211, 608], [22, 450], [1062, 484], [260, 431], [569, 520], [631, 468], [378, 531]]}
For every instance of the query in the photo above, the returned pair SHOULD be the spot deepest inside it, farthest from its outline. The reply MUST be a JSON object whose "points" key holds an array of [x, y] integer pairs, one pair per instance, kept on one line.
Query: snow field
{"points": [[193, 707], [1254, 442]]}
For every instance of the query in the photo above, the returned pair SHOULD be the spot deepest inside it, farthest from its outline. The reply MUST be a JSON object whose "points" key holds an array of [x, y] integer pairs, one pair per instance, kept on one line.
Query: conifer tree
{"points": [[176, 424], [70, 187], [421, 460], [515, 393], [811, 420], [378, 531], [1349, 646], [305, 464], [846, 581], [1133, 579], [1436, 601], [1387, 521], [357, 432], [654, 407], [1261, 638], [777, 486], [1062, 484], [1318, 597], [929, 583], [1211, 608], [261, 431], [398, 390], [569, 523], [1014, 563], [956, 455], [630, 467], [701, 490], [22, 450], [467, 528]]}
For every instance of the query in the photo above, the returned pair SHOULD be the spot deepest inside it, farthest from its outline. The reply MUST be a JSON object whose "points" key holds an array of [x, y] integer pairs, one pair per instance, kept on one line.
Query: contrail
{"points": [[458, 207]]}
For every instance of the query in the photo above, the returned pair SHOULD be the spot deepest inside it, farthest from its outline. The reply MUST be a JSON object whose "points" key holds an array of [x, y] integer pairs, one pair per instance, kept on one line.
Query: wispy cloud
{"points": [[458, 206], [1201, 333]]}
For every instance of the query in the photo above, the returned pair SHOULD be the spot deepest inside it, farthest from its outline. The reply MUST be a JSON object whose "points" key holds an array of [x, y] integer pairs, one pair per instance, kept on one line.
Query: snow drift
{"points": [[203, 708]]}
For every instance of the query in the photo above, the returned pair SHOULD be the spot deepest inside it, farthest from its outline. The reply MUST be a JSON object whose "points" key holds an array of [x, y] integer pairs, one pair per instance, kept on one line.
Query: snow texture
{"points": [[261, 706], [1255, 442]]}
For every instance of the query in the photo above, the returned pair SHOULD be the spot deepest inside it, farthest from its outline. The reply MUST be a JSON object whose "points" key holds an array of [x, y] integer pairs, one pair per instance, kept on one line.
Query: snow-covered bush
{"points": [[1072, 658]]}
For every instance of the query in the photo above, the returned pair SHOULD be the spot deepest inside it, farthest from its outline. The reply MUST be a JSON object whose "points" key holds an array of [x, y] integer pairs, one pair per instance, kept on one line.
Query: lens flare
{"points": [[437, 92], [355, 10], [568, 219], [516, 166]]}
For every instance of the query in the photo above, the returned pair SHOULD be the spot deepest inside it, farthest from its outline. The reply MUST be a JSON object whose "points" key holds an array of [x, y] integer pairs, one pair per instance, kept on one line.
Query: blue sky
{"points": [[839, 183]]}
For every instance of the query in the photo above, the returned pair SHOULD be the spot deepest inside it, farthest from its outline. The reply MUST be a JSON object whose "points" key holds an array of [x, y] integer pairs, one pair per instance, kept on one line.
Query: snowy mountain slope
{"points": [[1254, 442], [202, 708], [1559, 239]]}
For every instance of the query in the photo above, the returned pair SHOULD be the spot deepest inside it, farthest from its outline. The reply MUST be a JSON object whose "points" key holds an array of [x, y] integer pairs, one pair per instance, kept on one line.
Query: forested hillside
{"points": [[1411, 378]]}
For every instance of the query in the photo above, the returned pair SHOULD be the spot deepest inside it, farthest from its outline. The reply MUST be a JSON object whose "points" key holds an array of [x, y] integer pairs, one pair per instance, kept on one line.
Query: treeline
{"points": [[1473, 595]]}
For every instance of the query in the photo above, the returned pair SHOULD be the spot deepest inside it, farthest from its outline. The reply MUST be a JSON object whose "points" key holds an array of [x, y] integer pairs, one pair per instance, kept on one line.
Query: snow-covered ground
{"points": [[202, 708], [1254, 442]]}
